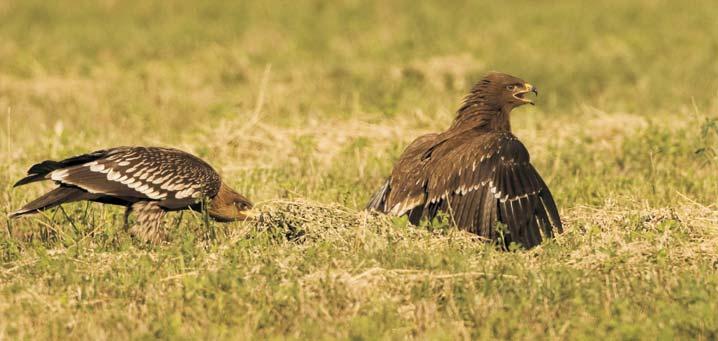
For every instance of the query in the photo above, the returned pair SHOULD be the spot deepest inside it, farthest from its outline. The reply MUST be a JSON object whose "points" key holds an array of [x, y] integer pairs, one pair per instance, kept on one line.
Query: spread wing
{"points": [[478, 181], [168, 175], [399, 193]]}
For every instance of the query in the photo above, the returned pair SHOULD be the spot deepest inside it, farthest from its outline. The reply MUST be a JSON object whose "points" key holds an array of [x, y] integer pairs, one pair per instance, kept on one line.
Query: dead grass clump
{"points": [[302, 220], [305, 220], [682, 236]]}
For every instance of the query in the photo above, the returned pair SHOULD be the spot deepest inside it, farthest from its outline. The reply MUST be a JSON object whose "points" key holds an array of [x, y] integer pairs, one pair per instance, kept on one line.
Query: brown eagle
{"points": [[477, 171], [147, 180]]}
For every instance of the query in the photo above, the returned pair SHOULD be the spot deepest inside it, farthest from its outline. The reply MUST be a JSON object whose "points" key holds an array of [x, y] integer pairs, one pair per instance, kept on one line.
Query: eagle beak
{"points": [[533, 88], [522, 92]]}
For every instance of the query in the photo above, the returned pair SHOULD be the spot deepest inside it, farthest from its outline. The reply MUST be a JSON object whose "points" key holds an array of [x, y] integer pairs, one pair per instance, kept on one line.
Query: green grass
{"points": [[304, 108]]}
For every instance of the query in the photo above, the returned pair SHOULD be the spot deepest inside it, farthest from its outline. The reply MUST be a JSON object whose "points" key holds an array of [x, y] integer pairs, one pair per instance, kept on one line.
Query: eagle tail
{"points": [[39, 171], [378, 200], [57, 196]]}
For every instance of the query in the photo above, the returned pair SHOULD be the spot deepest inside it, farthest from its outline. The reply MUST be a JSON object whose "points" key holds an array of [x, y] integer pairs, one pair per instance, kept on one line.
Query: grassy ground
{"points": [[304, 108]]}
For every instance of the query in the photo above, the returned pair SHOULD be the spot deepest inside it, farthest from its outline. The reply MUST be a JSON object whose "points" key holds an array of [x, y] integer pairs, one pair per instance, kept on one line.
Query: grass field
{"points": [[304, 107]]}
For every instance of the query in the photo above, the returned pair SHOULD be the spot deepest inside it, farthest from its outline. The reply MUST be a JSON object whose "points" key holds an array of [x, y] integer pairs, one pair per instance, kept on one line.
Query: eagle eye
{"points": [[510, 87]]}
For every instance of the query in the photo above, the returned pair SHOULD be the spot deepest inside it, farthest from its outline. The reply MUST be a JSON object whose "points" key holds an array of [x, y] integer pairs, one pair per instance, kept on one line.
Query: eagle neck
{"points": [[492, 118], [220, 203], [502, 121]]}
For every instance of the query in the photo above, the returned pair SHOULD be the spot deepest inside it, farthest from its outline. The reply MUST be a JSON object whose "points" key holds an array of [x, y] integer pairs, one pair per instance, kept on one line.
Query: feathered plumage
{"points": [[147, 180], [477, 172]]}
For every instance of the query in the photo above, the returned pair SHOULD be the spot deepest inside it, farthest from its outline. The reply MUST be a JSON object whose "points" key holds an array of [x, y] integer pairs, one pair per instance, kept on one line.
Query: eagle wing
{"points": [[478, 181], [173, 177], [398, 192]]}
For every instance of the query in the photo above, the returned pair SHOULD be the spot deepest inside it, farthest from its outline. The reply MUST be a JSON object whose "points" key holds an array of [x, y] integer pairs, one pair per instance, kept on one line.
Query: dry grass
{"points": [[316, 269], [304, 108]]}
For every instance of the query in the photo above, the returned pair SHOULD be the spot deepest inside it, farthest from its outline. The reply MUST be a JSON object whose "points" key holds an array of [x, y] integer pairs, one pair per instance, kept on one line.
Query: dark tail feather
{"points": [[38, 171], [51, 199], [378, 200]]}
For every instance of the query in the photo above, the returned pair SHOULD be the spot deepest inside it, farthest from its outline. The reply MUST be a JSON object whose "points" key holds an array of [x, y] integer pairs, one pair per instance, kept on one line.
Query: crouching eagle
{"points": [[477, 172], [146, 180]]}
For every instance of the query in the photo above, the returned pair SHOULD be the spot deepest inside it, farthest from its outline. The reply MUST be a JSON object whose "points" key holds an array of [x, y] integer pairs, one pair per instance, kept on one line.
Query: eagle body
{"points": [[477, 172], [149, 181]]}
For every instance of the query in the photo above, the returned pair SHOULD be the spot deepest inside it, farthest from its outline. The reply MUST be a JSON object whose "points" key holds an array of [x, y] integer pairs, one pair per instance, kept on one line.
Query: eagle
{"points": [[476, 172], [148, 181]]}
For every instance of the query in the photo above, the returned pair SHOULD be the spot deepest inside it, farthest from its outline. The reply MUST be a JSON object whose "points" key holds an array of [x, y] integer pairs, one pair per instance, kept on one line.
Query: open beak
{"points": [[521, 93]]}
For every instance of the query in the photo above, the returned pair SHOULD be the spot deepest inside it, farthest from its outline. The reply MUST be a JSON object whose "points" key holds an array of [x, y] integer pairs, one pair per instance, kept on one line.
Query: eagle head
{"points": [[500, 91], [492, 99], [506, 91], [228, 205]]}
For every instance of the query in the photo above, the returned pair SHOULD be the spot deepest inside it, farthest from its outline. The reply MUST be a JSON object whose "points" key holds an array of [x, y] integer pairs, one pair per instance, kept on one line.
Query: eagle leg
{"points": [[148, 226], [126, 220]]}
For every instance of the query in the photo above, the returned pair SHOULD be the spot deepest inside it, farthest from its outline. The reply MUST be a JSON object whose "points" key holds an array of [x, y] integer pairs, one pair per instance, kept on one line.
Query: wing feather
{"points": [[469, 217], [408, 179], [544, 224], [174, 177], [480, 180]]}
